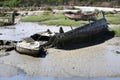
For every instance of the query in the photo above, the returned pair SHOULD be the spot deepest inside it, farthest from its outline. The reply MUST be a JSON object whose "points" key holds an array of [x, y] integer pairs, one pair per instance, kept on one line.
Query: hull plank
{"points": [[81, 33]]}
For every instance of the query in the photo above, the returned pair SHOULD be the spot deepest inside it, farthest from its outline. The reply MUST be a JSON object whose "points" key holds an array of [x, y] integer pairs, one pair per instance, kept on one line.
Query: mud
{"points": [[9, 71], [96, 62]]}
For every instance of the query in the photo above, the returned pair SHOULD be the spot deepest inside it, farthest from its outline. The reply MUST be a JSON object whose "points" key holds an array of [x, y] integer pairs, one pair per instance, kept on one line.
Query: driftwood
{"points": [[8, 20], [80, 16]]}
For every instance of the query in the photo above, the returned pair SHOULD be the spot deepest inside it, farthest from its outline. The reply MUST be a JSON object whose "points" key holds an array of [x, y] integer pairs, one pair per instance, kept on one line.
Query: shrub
{"points": [[48, 8], [46, 13], [60, 8]]}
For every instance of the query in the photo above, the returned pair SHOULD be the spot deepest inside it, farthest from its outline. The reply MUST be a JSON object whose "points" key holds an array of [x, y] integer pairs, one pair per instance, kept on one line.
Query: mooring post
{"points": [[12, 18], [103, 14], [61, 30]]}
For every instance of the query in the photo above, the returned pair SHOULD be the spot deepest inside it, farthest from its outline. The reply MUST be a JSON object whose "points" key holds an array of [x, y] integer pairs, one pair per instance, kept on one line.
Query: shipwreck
{"points": [[40, 42], [80, 16], [80, 34], [33, 45]]}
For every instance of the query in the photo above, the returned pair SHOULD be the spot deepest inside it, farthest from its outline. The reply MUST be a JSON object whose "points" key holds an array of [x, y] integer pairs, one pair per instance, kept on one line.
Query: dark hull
{"points": [[80, 34]]}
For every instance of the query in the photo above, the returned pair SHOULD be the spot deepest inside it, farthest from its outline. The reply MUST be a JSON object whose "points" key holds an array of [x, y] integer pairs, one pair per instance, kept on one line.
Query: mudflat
{"points": [[96, 61]]}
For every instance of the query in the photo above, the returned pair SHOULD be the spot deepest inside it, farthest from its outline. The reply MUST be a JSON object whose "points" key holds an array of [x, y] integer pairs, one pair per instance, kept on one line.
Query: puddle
{"points": [[23, 30]]}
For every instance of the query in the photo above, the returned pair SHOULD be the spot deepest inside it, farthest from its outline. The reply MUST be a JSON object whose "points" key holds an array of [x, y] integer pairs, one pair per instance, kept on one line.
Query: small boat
{"points": [[80, 16], [33, 44], [28, 48]]}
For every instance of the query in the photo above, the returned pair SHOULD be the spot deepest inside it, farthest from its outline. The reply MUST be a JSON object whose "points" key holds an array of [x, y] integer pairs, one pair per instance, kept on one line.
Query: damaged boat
{"points": [[80, 16], [41, 41], [78, 35], [33, 44]]}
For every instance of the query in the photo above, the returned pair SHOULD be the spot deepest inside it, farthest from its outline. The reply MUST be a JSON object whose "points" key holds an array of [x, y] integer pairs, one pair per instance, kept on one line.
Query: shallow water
{"points": [[23, 30]]}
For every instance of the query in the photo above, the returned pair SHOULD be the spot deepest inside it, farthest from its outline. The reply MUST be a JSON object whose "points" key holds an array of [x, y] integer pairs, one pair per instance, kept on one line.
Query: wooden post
{"points": [[103, 14], [61, 30], [13, 17]]}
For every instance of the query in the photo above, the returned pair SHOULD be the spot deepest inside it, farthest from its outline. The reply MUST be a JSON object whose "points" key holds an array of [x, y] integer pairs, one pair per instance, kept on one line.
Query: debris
{"points": [[118, 52], [4, 54], [61, 30], [33, 45]]}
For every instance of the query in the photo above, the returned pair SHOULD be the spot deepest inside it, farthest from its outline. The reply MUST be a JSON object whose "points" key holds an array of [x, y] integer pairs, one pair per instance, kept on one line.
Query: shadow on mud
{"points": [[91, 41]]}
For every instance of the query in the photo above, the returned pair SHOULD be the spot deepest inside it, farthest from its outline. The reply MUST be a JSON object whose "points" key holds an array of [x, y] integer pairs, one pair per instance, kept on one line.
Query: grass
{"points": [[113, 19], [42, 18], [48, 18], [63, 22], [2, 23], [53, 19], [116, 30]]}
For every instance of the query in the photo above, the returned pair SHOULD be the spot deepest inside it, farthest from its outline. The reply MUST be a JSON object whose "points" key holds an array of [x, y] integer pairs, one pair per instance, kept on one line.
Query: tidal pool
{"points": [[25, 29]]}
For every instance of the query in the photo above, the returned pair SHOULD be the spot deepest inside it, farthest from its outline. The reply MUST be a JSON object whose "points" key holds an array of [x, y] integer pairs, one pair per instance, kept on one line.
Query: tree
{"points": [[14, 3]]}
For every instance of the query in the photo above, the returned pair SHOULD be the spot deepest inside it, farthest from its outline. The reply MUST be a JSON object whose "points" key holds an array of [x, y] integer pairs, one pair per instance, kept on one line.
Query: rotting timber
{"points": [[59, 40], [80, 34], [7, 18], [33, 45], [80, 16]]}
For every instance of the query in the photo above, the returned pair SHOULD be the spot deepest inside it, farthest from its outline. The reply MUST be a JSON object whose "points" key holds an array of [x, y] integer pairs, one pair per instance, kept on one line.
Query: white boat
{"points": [[33, 44], [28, 48]]}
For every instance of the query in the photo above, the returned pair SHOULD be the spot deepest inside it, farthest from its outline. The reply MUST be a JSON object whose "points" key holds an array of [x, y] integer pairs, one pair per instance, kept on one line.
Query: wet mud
{"points": [[96, 62], [9, 71]]}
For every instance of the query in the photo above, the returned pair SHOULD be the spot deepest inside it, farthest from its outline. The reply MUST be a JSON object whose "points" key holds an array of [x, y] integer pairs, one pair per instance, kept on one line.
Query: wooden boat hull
{"points": [[27, 51], [80, 16], [31, 48], [82, 33], [33, 45]]}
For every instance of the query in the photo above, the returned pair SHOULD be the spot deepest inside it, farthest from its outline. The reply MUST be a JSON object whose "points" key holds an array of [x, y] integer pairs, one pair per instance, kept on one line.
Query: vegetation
{"points": [[113, 19], [54, 19], [60, 8], [2, 23], [116, 30], [48, 8], [26, 3]]}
